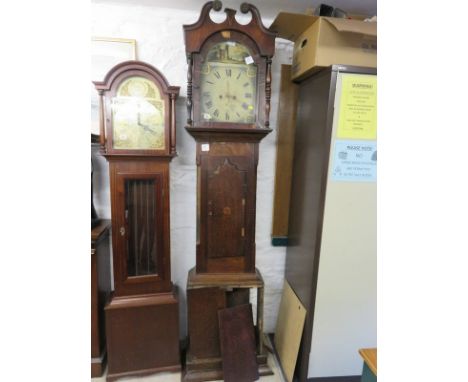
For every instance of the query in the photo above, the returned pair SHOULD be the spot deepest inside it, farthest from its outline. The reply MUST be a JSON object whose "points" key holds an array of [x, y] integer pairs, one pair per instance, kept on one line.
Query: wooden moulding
{"points": [[210, 369], [141, 373], [98, 365], [284, 156], [207, 134], [196, 33], [224, 280]]}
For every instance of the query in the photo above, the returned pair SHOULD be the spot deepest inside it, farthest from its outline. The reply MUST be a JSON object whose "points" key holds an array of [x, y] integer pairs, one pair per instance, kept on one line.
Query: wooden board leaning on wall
{"points": [[284, 156]]}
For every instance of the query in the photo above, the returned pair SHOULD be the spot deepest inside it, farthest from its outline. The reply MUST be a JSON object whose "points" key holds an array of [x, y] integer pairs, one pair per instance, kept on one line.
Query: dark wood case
{"points": [[142, 318], [227, 158], [157, 172], [227, 185], [227, 153]]}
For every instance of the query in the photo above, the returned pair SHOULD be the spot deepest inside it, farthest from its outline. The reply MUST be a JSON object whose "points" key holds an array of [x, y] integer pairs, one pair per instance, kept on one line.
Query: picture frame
{"points": [[106, 52]]}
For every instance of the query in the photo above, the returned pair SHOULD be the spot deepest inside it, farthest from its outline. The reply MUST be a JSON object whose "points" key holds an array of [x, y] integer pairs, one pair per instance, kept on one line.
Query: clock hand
{"points": [[228, 95], [148, 129], [145, 127]]}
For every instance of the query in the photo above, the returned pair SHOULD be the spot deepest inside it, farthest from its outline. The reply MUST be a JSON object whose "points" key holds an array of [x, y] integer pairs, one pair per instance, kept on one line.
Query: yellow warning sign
{"points": [[358, 107]]}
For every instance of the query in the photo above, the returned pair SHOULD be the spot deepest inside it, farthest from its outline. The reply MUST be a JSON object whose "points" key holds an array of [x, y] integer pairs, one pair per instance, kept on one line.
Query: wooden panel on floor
{"points": [[370, 358], [237, 339], [284, 155], [289, 326]]}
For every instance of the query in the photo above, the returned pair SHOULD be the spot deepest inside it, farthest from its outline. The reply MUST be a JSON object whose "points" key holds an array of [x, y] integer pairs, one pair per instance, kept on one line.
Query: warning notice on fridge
{"points": [[355, 161], [358, 107]]}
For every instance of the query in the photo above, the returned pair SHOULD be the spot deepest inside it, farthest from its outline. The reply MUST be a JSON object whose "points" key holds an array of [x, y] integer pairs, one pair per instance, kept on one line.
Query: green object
{"points": [[367, 374], [279, 241]]}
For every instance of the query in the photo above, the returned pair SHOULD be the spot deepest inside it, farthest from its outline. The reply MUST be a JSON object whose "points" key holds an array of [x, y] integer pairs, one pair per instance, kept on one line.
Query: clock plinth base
{"points": [[211, 369], [98, 364], [206, 294], [140, 373], [142, 335]]}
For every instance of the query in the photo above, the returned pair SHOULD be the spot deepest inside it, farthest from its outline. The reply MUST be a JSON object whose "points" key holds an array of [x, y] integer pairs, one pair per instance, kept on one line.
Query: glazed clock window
{"points": [[228, 83], [141, 211], [138, 113]]}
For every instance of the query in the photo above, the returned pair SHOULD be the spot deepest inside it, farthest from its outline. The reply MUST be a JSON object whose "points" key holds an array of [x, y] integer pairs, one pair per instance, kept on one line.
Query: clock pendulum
{"points": [[137, 136], [228, 105]]}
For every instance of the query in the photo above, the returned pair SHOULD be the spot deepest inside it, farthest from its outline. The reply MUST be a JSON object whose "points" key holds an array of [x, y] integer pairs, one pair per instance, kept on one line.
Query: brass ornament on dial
{"points": [[228, 84], [138, 116]]}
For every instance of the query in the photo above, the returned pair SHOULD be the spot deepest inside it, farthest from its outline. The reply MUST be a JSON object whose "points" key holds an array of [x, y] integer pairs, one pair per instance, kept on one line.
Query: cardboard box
{"points": [[324, 41]]}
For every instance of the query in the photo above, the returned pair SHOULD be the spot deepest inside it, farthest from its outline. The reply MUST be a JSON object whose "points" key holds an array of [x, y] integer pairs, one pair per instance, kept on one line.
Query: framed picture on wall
{"points": [[106, 52]]}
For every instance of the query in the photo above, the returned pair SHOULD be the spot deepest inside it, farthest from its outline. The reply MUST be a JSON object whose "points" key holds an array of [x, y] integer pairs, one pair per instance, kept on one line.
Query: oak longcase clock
{"points": [[229, 88], [138, 139], [228, 105]]}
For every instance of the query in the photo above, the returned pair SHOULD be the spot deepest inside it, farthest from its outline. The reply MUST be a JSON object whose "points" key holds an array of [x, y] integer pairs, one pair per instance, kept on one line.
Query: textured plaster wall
{"points": [[160, 42]]}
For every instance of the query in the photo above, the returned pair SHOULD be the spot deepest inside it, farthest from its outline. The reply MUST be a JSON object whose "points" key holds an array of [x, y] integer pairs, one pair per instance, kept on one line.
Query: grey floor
{"points": [[176, 377]]}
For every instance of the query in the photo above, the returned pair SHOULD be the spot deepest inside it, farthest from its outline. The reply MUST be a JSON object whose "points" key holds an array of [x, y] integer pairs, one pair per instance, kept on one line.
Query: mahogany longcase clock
{"points": [[229, 88], [138, 139]]}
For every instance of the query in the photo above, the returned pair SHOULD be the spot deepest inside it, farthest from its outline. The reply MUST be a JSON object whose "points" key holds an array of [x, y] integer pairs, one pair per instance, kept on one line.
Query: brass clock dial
{"points": [[228, 84], [138, 116]]}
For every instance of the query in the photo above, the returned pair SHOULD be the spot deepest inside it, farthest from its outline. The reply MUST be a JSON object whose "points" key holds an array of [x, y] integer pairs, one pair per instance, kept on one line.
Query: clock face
{"points": [[138, 116], [228, 84]]}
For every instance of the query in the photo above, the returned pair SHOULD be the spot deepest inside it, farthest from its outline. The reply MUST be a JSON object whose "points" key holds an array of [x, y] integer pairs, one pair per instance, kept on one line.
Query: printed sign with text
{"points": [[358, 107], [355, 161]]}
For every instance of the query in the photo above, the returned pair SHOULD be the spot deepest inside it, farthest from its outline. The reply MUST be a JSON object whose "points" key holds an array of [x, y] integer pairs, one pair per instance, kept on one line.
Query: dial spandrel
{"points": [[228, 84], [138, 116]]}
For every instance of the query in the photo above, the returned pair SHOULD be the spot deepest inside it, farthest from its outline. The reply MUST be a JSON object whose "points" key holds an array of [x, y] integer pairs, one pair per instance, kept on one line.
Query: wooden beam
{"points": [[286, 128]]}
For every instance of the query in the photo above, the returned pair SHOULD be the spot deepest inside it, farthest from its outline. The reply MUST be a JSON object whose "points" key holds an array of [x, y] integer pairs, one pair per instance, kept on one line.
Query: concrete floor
{"points": [[176, 376]]}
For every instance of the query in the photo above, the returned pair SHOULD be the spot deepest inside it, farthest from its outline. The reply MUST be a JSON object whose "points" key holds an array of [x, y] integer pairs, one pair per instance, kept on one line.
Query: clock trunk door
{"points": [[227, 182], [140, 236], [226, 188]]}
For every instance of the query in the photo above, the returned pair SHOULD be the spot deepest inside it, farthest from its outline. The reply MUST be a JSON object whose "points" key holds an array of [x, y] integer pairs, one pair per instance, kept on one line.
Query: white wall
{"points": [[160, 42]]}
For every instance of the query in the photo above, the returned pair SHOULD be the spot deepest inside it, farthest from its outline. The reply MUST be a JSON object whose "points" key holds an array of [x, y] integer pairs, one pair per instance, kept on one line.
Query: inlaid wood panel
{"points": [[226, 218], [227, 149], [226, 210]]}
